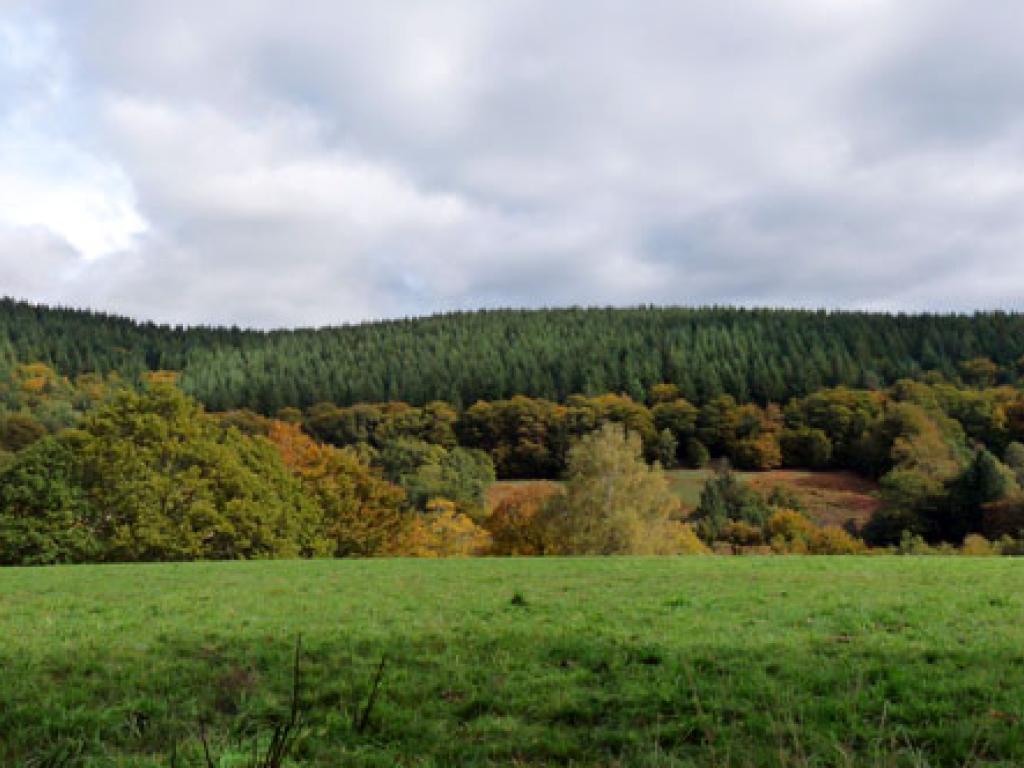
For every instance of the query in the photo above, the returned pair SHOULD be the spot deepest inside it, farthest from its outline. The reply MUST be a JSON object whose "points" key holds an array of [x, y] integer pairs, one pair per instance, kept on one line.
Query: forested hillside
{"points": [[753, 355], [103, 456]]}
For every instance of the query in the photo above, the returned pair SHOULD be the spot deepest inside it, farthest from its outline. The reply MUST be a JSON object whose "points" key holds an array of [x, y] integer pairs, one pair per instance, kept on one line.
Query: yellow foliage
{"points": [[790, 525], [792, 533], [680, 539], [442, 532], [833, 540], [978, 546], [741, 533], [300, 453], [36, 378], [161, 377]]}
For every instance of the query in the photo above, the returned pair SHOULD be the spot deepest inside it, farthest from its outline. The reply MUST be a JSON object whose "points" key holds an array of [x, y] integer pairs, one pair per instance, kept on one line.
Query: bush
{"points": [[677, 538], [978, 546], [791, 532], [887, 526], [741, 533], [833, 540]]}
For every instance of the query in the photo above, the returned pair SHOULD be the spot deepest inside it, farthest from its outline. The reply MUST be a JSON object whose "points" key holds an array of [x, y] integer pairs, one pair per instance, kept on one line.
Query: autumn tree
{"points": [[441, 531], [175, 485], [361, 513], [614, 503], [19, 430], [518, 522]]}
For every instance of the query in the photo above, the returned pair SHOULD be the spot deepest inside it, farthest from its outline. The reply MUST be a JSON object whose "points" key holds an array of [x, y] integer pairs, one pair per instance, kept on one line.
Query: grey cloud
{"points": [[336, 161]]}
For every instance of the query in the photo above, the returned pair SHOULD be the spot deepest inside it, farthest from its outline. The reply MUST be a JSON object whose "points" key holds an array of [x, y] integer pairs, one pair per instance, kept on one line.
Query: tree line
{"points": [[757, 355], [151, 476], [99, 467]]}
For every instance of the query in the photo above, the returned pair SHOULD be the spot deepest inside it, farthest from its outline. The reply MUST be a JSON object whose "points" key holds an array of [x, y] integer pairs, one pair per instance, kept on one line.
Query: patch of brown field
{"points": [[502, 489], [832, 498]]}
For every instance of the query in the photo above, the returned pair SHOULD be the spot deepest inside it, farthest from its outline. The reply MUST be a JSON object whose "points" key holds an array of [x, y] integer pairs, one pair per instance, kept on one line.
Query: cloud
{"points": [[250, 162]]}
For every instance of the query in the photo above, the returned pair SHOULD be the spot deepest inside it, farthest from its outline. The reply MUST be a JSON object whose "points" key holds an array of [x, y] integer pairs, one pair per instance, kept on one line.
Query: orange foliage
{"points": [[363, 513], [36, 378], [515, 523], [300, 453], [161, 377]]}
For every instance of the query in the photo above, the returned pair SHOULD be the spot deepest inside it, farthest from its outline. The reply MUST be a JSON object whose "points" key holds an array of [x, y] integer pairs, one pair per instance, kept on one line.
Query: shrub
{"points": [[978, 546], [833, 540], [741, 533], [791, 532]]}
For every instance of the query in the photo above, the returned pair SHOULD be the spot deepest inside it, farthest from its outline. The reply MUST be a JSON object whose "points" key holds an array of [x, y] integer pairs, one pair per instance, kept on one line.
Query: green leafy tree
{"points": [[806, 448], [461, 475], [45, 515], [174, 485]]}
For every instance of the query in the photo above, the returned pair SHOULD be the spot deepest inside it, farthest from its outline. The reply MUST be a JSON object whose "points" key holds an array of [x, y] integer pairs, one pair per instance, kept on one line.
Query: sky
{"points": [[273, 164]]}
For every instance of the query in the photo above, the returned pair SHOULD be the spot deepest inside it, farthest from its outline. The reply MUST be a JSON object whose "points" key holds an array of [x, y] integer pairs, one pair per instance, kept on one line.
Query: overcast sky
{"points": [[280, 164]]}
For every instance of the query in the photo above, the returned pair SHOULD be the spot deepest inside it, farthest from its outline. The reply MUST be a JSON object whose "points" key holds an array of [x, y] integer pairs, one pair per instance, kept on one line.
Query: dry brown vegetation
{"points": [[830, 498]]}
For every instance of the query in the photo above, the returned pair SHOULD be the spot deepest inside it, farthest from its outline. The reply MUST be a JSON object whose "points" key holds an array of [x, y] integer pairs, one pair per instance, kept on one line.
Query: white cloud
{"points": [[270, 164], [46, 181]]}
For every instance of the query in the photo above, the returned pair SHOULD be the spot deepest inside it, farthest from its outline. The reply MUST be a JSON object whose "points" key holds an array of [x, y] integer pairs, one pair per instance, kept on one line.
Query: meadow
{"points": [[701, 661]]}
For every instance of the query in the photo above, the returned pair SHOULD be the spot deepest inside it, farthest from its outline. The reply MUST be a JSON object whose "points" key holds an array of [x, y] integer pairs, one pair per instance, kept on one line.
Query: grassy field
{"points": [[829, 497], [633, 662]]}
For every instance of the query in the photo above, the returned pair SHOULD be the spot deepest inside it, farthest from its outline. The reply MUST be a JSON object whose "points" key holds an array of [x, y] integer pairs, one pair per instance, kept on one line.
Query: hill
{"points": [[756, 355]]}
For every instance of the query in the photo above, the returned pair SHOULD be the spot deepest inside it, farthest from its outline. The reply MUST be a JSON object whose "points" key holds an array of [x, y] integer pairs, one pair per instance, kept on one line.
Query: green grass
{"points": [[632, 662]]}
